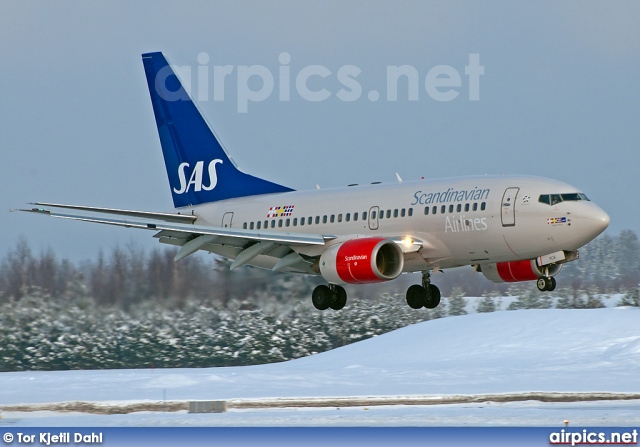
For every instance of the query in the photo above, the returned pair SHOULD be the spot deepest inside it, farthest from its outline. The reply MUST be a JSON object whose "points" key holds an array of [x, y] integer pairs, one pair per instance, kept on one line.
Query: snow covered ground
{"points": [[502, 352]]}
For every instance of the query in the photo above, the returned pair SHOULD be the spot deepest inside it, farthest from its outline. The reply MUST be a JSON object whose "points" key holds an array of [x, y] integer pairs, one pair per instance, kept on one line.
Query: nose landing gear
{"points": [[546, 283]]}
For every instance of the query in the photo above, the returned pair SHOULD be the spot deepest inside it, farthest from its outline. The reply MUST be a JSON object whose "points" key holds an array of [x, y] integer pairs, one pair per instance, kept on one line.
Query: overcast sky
{"points": [[559, 97]]}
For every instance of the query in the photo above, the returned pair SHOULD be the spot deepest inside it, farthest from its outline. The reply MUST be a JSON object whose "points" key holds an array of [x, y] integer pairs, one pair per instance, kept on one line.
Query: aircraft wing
{"points": [[167, 217], [179, 230], [239, 244]]}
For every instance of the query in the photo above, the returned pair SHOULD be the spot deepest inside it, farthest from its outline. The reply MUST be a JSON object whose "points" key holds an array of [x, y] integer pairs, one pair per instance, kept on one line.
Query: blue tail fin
{"points": [[198, 167]]}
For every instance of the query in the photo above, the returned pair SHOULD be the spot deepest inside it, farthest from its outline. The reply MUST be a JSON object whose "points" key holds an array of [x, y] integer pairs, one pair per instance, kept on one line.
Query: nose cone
{"points": [[598, 220]]}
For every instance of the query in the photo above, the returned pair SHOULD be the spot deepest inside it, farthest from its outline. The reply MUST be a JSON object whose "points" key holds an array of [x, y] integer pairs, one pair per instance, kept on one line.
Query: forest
{"points": [[135, 309]]}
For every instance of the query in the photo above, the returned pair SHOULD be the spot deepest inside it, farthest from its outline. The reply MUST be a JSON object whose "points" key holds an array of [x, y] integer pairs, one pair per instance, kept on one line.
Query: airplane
{"points": [[509, 228]]}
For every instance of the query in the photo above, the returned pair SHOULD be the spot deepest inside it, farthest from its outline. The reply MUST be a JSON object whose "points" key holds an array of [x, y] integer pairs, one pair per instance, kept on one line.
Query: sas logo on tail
{"points": [[196, 177]]}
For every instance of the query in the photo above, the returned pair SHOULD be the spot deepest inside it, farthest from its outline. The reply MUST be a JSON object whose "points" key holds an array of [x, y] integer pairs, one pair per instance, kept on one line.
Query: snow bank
{"points": [[503, 352]]}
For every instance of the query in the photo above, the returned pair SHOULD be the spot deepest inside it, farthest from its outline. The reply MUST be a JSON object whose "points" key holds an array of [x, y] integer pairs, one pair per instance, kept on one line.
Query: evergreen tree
{"points": [[631, 298], [531, 298], [457, 303], [571, 299], [627, 252], [488, 303], [593, 299]]}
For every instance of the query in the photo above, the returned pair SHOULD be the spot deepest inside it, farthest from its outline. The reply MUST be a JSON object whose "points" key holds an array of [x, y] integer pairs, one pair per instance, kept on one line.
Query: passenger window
{"points": [[426, 210], [373, 215], [388, 214], [295, 221], [381, 215], [395, 213], [364, 216], [355, 216], [279, 223], [333, 218], [443, 209], [324, 219], [251, 226], [348, 217], [266, 224], [466, 207], [475, 207], [273, 223], [483, 206], [339, 217], [451, 208], [317, 220], [434, 210], [258, 224], [309, 220], [410, 212], [459, 207], [244, 226], [402, 212]]}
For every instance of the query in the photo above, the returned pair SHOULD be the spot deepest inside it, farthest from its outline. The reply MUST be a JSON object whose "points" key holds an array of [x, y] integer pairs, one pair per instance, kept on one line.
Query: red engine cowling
{"points": [[362, 261], [516, 271]]}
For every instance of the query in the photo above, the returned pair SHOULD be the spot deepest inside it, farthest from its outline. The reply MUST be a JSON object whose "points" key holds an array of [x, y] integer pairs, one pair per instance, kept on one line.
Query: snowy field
{"points": [[544, 351]]}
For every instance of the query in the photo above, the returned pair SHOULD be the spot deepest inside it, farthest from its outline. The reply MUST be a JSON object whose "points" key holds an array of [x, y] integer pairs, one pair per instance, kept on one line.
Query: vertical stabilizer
{"points": [[198, 167]]}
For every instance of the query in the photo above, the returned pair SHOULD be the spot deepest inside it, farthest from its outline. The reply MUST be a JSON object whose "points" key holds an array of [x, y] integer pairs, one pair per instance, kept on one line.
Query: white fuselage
{"points": [[470, 220]]}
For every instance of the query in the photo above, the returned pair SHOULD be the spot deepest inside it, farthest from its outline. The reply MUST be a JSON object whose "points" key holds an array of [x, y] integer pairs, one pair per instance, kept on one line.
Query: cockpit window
{"points": [[554, 199], [571, 197]]}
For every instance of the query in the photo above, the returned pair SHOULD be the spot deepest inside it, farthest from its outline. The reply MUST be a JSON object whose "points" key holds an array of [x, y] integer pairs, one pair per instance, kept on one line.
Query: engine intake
{"points": [[362, 261], [516, 271]]}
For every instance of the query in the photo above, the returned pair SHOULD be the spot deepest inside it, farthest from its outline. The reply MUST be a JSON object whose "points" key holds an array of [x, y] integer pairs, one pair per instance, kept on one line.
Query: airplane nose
{"points": [[599, 220]]}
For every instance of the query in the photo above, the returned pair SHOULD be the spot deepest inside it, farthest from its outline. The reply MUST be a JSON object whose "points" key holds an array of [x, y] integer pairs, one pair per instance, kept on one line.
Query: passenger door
{"points": [[227, 220], [508, 207]]}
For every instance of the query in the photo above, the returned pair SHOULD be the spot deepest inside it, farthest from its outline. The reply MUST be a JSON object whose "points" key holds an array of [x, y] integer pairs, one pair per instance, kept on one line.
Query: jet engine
{"points": [[516, 271], [361, 261]]}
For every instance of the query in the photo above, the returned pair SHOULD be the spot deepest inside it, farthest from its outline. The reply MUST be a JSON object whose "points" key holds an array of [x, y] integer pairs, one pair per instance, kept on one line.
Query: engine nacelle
{"points": [[362, 261], [516, 271]]}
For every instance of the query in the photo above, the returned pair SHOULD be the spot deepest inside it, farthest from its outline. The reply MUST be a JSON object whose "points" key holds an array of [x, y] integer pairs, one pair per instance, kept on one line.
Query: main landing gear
{"points": [[546, 283], [331, 296], [425, 295]]}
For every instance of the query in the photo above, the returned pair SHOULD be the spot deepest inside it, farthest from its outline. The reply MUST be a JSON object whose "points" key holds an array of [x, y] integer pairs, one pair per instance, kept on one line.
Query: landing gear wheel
{"points": [[321, 297], [433, 297], [552, 284], [339, 298], [546, 283], [416, 296], [542, 283]]}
